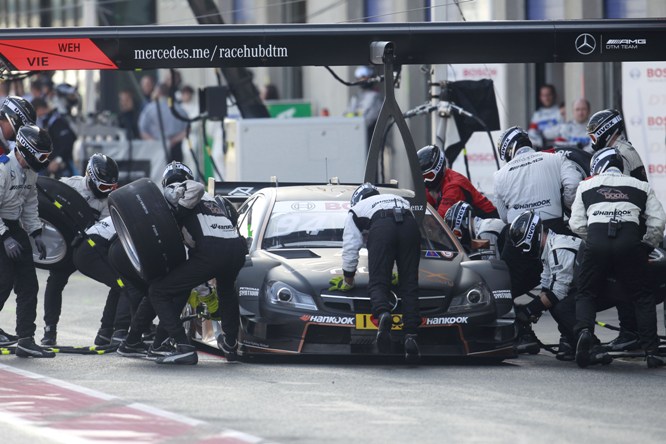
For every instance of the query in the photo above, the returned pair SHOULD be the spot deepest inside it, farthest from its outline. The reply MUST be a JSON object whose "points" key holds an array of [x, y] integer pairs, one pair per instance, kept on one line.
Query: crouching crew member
{"points": [[558, 255], [393, 237], [216, 250], [91, 258], [101, 178], [18, 213], [622, 221], [445, 187]]}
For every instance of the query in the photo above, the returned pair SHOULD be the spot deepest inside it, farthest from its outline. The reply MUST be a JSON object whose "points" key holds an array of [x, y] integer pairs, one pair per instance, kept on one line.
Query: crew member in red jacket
{"points": [[446, 187]]}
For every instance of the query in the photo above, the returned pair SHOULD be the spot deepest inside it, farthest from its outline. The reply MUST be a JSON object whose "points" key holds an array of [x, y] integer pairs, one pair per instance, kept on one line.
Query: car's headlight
{"points": [[471, 299], [284, 295]]}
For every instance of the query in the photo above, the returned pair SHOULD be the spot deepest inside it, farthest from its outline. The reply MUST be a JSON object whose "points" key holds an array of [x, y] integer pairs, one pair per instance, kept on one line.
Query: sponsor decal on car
{"points": [[248, 291], [502, 294], [440, 254], [329, 320], [369, 322], [446, 320]]}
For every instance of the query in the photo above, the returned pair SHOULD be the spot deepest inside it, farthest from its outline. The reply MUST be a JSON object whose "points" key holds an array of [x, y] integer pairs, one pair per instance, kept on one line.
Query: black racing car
{"points": [[294, 235]]}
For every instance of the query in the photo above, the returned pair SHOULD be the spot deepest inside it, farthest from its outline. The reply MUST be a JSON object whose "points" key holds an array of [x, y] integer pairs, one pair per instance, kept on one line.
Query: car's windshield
{"points": [[319, 224]]}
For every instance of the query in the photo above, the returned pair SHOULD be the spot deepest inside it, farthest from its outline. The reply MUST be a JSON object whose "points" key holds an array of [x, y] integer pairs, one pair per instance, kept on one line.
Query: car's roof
{"points": [[327, 192]]}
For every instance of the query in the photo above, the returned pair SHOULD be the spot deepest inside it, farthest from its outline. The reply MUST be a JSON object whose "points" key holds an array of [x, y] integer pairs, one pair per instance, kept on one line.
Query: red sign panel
{"points": [[54, 54]]}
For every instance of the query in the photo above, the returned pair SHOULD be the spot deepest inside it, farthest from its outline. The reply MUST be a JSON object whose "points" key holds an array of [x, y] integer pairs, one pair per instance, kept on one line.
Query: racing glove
{"points": [[530, 313], [12, 248], [338, 283], [41, 246], [173, 194], [394, 279]]}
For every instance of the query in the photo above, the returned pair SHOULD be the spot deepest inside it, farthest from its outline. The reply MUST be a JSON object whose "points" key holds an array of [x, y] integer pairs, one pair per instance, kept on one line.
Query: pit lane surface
{"points": [[529, 399]]}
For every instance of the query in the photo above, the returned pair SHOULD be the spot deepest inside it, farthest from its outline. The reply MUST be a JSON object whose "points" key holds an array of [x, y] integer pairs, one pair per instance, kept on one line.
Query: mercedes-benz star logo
{"points": [[585, 44]]}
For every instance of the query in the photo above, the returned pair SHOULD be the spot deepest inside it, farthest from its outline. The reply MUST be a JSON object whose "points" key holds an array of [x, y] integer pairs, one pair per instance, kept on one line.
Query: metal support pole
{"points": [[384, 53]]}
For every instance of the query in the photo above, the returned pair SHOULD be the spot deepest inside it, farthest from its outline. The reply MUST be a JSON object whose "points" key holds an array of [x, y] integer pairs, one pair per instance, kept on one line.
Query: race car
{"points": [[294, 236]]}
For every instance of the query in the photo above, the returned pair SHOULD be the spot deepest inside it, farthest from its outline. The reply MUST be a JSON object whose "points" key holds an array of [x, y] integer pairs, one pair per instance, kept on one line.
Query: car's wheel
{"points": [[64, 213], [146, 228]]}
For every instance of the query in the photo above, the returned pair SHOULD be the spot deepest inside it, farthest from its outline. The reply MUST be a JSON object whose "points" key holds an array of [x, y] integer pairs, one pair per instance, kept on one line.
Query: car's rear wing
{"points": [[238, 192]]}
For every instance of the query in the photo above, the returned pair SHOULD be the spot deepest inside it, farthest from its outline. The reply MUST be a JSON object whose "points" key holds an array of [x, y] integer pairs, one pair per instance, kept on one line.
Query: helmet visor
{"points": [[430, 174], [40, 156], [104, 187]]}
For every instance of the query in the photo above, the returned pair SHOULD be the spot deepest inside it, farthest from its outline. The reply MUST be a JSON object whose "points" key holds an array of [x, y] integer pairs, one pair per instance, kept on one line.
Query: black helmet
{"points": [[511, 140], [433, 165], [525, 233], [604, 159], [102, 174], [35, 146], [18, 111], [176, 172], [362, 192], [460, 221], [603, 126]]}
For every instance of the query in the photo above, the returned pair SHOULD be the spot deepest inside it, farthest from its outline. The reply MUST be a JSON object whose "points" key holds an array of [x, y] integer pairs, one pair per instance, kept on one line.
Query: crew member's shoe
{"points": [[653, 360], [583, 346], [565, 351], [26, 348], [164, 349], [118, 336], [184, 354], [599, 355], [625, 341], [229, 347], [50, 334], [412, 354], [527, 342], [103, 336], [384, 324], [138, 350], [7, 339]]}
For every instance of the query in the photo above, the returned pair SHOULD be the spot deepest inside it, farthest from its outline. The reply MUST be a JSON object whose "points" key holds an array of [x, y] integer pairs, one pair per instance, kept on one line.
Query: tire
{"points": [[60, 225], [147, 229]]}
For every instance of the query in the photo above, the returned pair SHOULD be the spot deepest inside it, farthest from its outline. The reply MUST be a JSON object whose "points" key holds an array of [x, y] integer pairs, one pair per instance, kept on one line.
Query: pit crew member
{"points": [[606, 128], [90, 257], [445, 187], [100, 179], [621, 220], [393, 236], [18, 213], [14, 113], [208, 232]]}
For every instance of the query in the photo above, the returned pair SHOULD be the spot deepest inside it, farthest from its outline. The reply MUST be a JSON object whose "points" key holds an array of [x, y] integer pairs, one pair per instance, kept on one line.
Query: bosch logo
{"points": [[585, 44], [635, 73], [658, 168], [659, 73], [612, 194], [656, 121]]}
